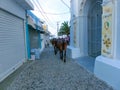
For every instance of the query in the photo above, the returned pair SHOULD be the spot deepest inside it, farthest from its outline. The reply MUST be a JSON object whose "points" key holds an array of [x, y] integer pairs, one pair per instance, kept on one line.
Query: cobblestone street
{"points": [[50, 73]]}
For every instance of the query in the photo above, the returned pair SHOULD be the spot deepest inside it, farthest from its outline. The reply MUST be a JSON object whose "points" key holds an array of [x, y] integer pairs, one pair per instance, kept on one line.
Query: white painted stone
{"points": [[108, 70], [73, 52]]}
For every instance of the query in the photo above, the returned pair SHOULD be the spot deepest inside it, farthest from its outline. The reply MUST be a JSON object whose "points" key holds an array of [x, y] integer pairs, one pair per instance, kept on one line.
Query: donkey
{"points": [[60, 45]]}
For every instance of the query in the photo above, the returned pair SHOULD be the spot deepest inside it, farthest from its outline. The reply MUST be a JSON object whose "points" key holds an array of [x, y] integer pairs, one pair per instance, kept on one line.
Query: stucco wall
{"points": [[117, 32], [12, 7]]}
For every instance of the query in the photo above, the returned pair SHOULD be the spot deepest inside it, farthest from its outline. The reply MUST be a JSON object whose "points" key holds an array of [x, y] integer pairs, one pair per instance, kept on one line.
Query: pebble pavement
{"points": [[50, 73]]}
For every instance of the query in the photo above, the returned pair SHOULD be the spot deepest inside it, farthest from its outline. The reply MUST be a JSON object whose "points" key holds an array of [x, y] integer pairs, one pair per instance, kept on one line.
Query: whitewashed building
{"points": [[12, 35], [95, 33]]}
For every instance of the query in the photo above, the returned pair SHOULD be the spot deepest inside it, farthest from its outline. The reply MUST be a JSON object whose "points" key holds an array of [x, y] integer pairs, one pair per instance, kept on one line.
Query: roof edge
{"points": [[26, 4]]}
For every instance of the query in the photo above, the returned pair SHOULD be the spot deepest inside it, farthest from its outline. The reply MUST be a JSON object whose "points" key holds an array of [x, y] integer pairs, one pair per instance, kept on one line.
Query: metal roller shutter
{"points": [[34, 39], [12, 47]]}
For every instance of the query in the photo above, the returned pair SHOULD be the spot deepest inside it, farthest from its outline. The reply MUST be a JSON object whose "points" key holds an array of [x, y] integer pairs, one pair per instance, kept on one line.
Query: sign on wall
{"points": [[107, 31]]}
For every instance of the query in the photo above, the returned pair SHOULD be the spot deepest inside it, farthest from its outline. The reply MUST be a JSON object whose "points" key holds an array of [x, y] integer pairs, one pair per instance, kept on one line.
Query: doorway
{"points": [[94, 28]]}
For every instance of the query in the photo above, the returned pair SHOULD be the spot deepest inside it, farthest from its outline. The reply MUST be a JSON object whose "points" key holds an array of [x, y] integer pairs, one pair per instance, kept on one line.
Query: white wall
{"points": [[117, 27], [12, 7], [83, 37], [73, 49], [81, 18], [74, 24], [74, 8], [108, 70]]}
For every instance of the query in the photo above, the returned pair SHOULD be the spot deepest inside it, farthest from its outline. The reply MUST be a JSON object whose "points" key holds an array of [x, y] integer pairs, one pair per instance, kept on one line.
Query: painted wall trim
{"points": [[27, 39]]}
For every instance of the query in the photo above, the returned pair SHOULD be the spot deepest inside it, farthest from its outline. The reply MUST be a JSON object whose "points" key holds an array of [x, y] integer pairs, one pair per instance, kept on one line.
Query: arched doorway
{"points": [[94, 28]]}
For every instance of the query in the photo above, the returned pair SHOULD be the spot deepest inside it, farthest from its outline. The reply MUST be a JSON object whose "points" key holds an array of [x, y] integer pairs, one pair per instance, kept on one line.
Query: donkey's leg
{"points": [[61, 54], [56, 50], [64, 56]]}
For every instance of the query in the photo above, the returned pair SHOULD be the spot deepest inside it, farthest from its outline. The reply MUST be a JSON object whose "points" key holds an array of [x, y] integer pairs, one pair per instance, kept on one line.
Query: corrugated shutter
{"points": [[34, 39], [12, 47]]}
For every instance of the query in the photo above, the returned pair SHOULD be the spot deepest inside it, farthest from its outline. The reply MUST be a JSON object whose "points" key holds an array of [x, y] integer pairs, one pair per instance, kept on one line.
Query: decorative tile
{"points": [[107, 30]]}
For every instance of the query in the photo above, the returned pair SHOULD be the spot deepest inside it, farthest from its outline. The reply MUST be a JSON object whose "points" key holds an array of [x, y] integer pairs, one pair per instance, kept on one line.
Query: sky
{"points": [[52, 11]]}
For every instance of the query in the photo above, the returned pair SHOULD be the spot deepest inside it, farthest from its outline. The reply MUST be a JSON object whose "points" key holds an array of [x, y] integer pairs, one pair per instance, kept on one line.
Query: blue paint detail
{"points": [[38, 28], [39, 40], [27, 40], [36, 20]]}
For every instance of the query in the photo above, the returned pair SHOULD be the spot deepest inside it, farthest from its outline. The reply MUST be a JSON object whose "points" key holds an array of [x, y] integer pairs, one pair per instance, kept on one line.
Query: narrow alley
{"points": [[50, 73]]}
